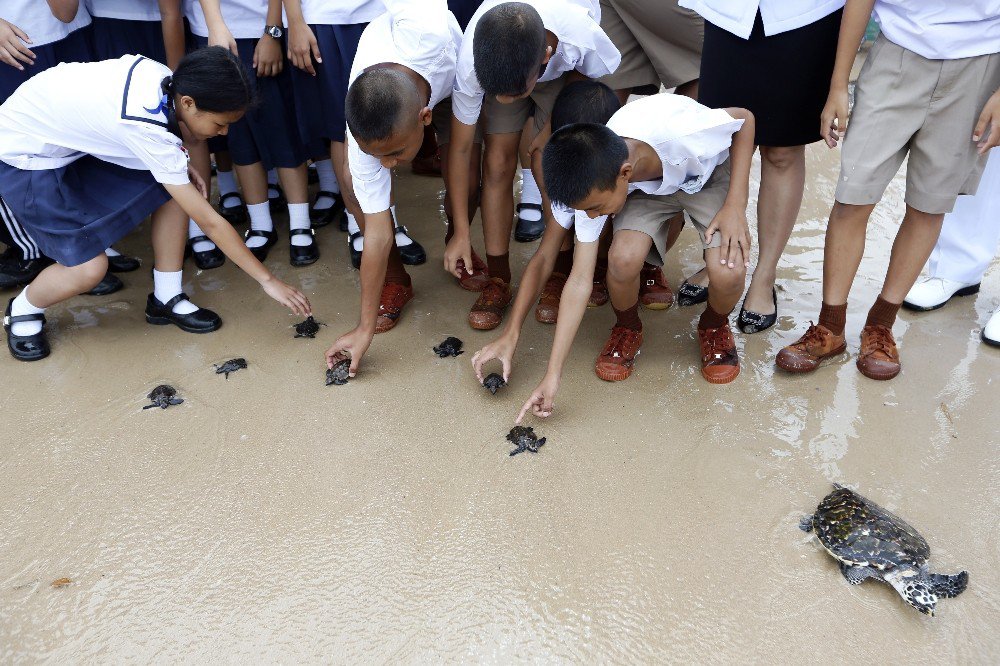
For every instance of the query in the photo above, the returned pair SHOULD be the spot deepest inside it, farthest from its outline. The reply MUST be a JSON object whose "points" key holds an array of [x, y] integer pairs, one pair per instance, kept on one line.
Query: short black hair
{"points": [[214, 78], [508, 48], [584, 102], [581, 158], [377, 102]]}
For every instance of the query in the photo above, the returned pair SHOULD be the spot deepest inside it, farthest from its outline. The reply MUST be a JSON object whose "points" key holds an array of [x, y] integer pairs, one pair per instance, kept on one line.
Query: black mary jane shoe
{"points": [[109, 285], [527, 231], [752, 322], [278, 202], [691, 294], [122, 264], [208, 259], [412, 254], [324, 216], [16, 272], [261, 251], [355, 254], [199, 321], [233, 208], [25, 347], [302, 255]]}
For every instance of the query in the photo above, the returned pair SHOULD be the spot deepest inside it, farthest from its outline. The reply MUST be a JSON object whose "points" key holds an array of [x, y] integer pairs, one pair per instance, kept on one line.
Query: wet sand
{"points": [[270, 517]]}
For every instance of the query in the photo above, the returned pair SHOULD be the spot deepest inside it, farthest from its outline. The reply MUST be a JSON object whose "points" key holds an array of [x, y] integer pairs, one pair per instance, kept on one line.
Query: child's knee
{"points": [[726, 278], [624, 262], [92, 272], [782, 157], [499, 164]]}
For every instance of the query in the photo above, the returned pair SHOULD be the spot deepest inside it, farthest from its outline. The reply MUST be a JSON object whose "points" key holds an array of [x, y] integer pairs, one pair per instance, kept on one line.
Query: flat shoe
{"points": [[691, 294], [235, 214], [123, 264], [199, 321], [261, 251], [208, 259], [355, 254], [324, 216], [527, 231], [302, 255], [752, 322], [109, 285], [412, 254], [25, 347]]}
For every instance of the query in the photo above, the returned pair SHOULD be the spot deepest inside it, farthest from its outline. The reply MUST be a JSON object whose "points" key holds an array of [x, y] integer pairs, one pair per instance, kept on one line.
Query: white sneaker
{"points": [[930, 293], [991, 332]]}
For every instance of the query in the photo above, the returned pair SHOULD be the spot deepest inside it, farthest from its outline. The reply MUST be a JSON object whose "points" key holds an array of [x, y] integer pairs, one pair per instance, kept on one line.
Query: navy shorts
{"points": [[113, 38], [75, 47], [320, 99]]}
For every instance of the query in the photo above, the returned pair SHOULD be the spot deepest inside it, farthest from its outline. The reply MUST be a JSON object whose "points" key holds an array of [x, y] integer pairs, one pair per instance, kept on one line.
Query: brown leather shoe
{"points": [[806, 353], [598, 295], [878, 358], [720, 362], [479, 278], [394, 297], [617, 360], [654, 292], [547, 310], [487, 312]]}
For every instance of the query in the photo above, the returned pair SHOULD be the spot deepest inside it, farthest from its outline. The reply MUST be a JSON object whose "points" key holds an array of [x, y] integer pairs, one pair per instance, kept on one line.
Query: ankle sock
{"points": [[166, 285], [22, 306], [193, 232], [498, 266], [298, 218], [260, 220], [327, 183], [530, 194], [883, 313], [226, 181], [394, 269], [564, 262], [402, 239], [112, 252], [629, 317], [712, 319], [354, 228], [833, 318]]}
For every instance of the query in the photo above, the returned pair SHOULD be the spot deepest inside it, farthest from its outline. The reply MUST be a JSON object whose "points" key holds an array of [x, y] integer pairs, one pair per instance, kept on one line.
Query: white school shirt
{"points": [[111, 109], [245, 19], [690, 139], [128, 10], [36, 20], [422, 35], [941, 29], [738, 16], [583, 46], [340, 12]]}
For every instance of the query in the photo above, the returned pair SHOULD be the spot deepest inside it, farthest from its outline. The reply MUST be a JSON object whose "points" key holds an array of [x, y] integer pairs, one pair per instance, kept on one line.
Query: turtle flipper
{"points": [[946, 586], [806, 524], [174, 401], [856, 575]]}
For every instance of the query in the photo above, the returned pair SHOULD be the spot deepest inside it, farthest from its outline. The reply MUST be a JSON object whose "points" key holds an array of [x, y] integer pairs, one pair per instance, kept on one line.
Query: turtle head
{"points": [[919, 594]]}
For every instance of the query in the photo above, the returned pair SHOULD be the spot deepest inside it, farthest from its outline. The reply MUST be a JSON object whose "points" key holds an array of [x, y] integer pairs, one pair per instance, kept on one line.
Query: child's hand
{"points": [[833, 119], [267, 57], [459, 249], [731, 224], [12, 46], [220, 35], [987, 132], [541, 401], [501, 349], [197, 181], [354, 344], [303, 47], [290, 297]]}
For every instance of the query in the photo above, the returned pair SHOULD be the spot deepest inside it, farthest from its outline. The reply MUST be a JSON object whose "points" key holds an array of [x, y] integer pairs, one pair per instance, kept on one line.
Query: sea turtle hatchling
{"points": [[308, 328], [870, 542], [340, 373], [494, 382], [232, 365], [525, 439], [450, 347], [163, 396]]}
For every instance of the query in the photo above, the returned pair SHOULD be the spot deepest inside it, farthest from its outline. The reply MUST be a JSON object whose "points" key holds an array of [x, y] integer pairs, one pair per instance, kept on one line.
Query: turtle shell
{"points": [[859, 532]]}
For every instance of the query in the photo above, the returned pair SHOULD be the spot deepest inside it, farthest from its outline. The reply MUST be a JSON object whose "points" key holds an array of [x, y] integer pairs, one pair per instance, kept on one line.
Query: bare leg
{"points": [[844, 247], [253, 180], [725, 284], [295, 183], [913, 245], [170, 225], [498, 181], [628, 252], [475, 178], [57, 283]]}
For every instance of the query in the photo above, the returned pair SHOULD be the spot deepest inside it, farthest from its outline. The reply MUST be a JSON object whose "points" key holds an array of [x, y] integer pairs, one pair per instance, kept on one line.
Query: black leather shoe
{"points": [[261, 251], [528, 230], [752, 322], [123, 264], [355, 254], [324, 216], [16, 272], [302, 255], [313, 175], [109, 285], [25, 347], [208, 259], [412, 254], [199, 321], [278, 202], [691, 294], [233, 208]]}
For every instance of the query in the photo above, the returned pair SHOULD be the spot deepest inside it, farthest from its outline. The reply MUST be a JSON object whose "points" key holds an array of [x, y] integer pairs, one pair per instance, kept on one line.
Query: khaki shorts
{"points": [[441, 122], [905, 103], [507, 118], [649, 213], [660, 42]]}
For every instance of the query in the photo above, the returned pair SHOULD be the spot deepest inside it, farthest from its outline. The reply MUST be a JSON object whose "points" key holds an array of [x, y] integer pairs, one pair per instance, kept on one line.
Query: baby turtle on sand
{"points": [[339, 374], [163, 396], [308, 328], [524, 439], [870, 542], [232, 365], [494, 382], [450, 347]]}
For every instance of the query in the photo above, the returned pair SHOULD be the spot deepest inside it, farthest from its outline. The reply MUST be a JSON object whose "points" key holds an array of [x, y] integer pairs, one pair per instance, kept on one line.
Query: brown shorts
{"points": [[660, 42], [905, 103], [649, 213], [441, 122], [507, 118]]}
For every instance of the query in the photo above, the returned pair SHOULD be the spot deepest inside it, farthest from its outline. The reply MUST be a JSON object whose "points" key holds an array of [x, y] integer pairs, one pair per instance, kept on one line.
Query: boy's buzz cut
{"points": [[508, 47], [580, 159], [378, 102], [584, 102]]}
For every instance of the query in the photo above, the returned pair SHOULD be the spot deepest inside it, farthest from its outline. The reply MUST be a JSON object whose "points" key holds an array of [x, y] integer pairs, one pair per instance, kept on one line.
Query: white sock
{"points": [[530, 194], [353, 228], [112, 252], [193, 232], [402, 240], [298, 218], [166, 285], [272, 184], [22, 306], [226, 181], [327, 183], [260, 220]]}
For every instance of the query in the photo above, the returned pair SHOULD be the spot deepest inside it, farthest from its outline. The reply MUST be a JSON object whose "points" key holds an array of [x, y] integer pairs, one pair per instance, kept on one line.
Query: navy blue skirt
{"points": [[320, 99], [113, 38], [75, 47], [75, 212]]}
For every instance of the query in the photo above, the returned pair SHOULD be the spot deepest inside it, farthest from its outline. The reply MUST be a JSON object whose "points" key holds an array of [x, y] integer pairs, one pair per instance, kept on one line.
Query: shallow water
{"points": [[272, 517]]}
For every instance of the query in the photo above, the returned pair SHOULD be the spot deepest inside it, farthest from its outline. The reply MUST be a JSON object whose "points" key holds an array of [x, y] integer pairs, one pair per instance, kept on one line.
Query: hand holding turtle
{"points": [[541, 403], [289, 296], [501, 349], [354, 344]]}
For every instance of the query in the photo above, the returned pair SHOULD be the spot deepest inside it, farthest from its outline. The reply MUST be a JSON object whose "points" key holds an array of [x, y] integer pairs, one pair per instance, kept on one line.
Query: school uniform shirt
{"points": [[114, 110], [423, 36], [340, 12], [941, 29], [778, 16], [125, 10], [245, 19], [690, 139], [36, 20], [583, 46]]}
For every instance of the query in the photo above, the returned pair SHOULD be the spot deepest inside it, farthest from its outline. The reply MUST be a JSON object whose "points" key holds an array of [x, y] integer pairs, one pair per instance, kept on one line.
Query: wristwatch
{"points": [[274, 31]]}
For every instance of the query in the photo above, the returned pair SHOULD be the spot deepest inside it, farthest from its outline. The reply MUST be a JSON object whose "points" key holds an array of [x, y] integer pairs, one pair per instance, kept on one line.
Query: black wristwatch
{"points": [[274, 31]]}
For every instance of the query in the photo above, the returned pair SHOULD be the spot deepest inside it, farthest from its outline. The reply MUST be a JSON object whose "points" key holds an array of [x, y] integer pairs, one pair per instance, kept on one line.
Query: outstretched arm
{"points": [[833, 120]]}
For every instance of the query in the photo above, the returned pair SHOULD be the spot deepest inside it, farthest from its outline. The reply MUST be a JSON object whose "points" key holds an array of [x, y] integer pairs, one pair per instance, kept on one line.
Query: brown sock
{"points": [[833, 318], [883, 313], [394, 270], [629, 317], [450, 232], [712, 319], [499, 266], [564, 262], [601, 270]]}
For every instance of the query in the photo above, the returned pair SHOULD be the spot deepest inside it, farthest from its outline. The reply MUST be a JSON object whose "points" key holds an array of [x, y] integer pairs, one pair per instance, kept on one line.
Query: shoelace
{"points": [[812, 336], [621, 339], [491, 295], [717, 343], [878, 339]]}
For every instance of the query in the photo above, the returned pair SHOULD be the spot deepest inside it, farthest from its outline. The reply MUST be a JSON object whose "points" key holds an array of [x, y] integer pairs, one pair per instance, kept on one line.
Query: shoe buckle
{"points": [[6, 320]]}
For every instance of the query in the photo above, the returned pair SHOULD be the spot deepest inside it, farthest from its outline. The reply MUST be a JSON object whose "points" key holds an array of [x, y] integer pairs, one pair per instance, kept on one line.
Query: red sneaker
{"points": [[617, 360], [654, 292], [720, 362], [480, 275], [394, 297], [487, 312], [547, 310], [598, 295]]}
